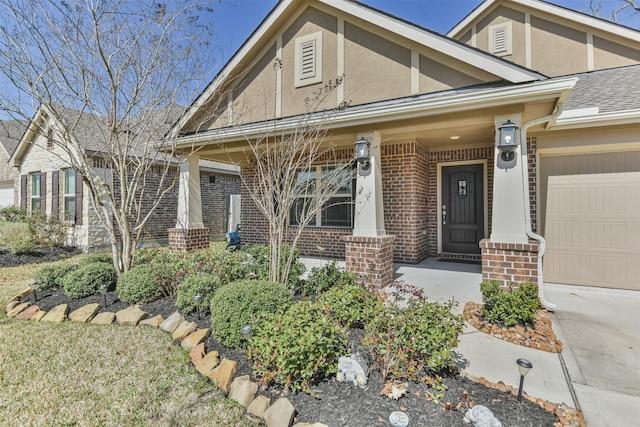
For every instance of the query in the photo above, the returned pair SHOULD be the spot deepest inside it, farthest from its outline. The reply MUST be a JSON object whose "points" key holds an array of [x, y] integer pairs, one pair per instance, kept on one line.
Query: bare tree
{"points": [[618, 11], [110, 75], [295, 175]]}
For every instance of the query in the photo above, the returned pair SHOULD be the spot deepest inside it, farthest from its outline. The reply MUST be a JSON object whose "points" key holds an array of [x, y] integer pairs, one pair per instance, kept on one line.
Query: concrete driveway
{"points": [[599, 329]]}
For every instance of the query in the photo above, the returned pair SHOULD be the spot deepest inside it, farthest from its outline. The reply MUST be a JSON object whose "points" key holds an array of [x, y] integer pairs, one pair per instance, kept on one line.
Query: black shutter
{"points": [[78, 199], [23, 191], [55, 195], [43, 191]]}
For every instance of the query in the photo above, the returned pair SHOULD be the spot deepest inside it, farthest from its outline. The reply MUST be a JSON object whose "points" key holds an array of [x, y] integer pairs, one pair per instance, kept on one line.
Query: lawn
{"points": [[86, 375]]}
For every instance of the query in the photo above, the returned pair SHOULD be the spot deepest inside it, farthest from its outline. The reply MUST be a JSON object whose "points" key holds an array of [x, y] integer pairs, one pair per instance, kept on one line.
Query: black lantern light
{"points": [[508, 141], [363, 156]]}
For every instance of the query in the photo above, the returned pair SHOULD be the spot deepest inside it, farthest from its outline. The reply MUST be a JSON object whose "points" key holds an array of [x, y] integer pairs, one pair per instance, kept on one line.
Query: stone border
{"points": [[540, 337]]}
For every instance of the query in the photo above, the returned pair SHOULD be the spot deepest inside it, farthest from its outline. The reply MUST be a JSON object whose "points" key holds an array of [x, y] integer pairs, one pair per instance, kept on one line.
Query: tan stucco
{"points": [[502, 15], [436, 76], [556, 49], [609, 54]]}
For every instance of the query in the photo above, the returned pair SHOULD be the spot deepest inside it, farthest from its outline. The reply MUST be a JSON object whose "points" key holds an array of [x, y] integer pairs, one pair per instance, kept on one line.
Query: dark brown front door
{"points": [[462, 209]]}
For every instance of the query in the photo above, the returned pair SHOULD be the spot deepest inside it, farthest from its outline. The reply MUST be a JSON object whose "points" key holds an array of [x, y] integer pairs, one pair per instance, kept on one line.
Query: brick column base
{"points": [[370, 258], [188, 239], [509, 262]]}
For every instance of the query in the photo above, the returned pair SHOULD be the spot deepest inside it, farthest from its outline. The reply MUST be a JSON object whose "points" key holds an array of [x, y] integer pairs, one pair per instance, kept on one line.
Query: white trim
{"points": [[474, 35], [589, 149], [527, 39], [415, 72], [590, 61], [588, 119], [340, 59], [278, 65], [485, 185], [230, 107]]}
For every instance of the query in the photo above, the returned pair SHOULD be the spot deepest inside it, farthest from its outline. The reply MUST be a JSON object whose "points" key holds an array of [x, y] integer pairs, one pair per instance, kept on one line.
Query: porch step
{"points": [[471, 258]]}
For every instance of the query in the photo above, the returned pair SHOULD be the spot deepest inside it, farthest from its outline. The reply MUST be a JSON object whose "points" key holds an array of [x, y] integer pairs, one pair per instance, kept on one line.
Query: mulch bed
{"points": [[342, 404], [38, 255]]}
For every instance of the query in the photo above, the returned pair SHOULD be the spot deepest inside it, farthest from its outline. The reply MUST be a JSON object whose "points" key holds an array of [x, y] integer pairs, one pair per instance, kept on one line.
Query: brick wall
{"points": [[509, 262], [371, 259], [186, 240]]}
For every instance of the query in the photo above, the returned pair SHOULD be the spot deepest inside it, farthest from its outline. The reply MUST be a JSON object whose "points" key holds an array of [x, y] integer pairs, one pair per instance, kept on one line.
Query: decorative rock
{"points": [[104, 318], [17, 309], [57, 314], [258, 406], [195, 338], [353, 368], [39, 315], [28, 313], [130, 316], [172, 322], [197, 353], [84, 314], [183, 331], [22, 293], [10, 305], [481, 416], [154, 321], [208, 363], [280, 414], [242, 390], [224, 373]]}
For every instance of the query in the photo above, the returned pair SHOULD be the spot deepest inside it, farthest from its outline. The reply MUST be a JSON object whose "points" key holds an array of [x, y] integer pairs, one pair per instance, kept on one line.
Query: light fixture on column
{"points": [[362, 153], [508, 140]]}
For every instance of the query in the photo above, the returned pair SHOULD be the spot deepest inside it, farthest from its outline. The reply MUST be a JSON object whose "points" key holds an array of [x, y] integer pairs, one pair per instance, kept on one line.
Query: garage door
{"points": [[6, 195], [590, 205]]}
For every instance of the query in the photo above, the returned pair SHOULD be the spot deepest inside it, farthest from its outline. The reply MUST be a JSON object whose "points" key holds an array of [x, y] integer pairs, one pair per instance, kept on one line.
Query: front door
{"points": [[462, 209]]}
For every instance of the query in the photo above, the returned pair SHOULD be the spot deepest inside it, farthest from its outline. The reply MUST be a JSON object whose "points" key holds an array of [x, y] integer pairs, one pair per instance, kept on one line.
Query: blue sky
{"points": [[235, 20]]}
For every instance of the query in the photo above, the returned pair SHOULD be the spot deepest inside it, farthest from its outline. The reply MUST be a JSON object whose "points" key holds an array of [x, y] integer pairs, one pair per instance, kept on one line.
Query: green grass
{"points": [[89, 375]]}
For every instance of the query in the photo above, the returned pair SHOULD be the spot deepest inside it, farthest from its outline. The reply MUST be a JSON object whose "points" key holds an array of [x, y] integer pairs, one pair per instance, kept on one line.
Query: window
{"points": [[337, 211], [69, 196], [35, 191], [308, 60], [500, 39]]}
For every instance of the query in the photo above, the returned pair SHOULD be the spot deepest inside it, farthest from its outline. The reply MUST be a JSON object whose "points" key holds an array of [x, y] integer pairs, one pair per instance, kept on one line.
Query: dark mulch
{"points": [[38, 255], [343, 404]]}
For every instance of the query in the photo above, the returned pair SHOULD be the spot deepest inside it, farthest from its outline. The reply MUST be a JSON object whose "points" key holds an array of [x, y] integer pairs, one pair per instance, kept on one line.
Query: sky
{"points": [[235, 20]]}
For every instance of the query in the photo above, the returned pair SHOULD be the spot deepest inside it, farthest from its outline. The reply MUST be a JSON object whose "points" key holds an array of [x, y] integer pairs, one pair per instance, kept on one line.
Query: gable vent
{"points": [[500, 39], [308, 60]]}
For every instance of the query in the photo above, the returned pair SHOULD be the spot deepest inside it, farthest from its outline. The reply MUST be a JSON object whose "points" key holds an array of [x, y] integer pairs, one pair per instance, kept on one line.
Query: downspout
{"points": [[542, 244]]}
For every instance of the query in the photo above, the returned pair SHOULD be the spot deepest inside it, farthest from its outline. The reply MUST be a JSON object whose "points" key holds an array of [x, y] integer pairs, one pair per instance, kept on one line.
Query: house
{"points": [[513, 140], [10, 133], [48, 182]]}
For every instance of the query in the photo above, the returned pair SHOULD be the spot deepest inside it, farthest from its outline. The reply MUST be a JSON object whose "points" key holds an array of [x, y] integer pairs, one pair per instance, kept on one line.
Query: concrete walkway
{"points": [[598, 370]]}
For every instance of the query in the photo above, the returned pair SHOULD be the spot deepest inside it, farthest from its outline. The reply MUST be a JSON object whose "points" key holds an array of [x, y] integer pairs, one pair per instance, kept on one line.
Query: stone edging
{"points": [[540, 337], [241, 389]]}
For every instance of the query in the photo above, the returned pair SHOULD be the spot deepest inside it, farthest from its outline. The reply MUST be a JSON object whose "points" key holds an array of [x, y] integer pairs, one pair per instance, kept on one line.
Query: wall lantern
{"points": [[362, 153], [524, 366], [508, 140]]}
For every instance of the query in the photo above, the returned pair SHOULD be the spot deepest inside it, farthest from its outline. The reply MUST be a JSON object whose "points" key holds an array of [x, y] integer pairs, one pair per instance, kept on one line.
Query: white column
{"points": [[369, 210], [508, 224], [189, 197]]}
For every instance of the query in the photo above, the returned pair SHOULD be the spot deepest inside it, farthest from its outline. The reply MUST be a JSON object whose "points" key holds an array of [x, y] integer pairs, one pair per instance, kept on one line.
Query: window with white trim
{"points": [[500, 39], [308, 61], [69, 196], [35, 191], [337, 211]]}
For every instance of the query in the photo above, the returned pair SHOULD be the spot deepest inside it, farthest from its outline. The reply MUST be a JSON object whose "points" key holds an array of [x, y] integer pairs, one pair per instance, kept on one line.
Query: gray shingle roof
{"points": [[11, 132], [616, 89]]}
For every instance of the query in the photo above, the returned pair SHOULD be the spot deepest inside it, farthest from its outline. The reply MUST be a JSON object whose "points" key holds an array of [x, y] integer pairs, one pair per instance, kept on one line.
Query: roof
{"points": [[548, 8], [615, 89], [11, 132]]}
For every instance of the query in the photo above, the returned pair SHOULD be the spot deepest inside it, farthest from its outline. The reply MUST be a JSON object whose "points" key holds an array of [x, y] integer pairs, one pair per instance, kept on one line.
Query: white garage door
{"points": [[6, 195], [590, 205]]}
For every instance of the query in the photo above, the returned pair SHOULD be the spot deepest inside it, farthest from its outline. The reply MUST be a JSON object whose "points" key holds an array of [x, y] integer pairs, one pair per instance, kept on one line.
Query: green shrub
{"points": [[17, 237], [14, 214], [321, 279], [259, 263], [168, 268], [298, 347], [407, 342], [93, 258], [204, 285], [237, 304], [138, 285], [229, 266], [87, 280], [50, 277], [46, 231], [352, 305], [512, 306]]}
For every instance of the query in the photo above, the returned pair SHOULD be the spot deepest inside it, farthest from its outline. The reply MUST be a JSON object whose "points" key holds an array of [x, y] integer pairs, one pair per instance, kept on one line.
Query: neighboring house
{"points": [[524, 119], [47, 182], [10, 133]]}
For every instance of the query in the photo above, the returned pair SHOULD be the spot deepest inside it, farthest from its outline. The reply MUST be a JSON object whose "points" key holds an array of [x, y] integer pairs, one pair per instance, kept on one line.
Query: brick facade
{"points": [[509, 262], [188, 239], [371, 259]]}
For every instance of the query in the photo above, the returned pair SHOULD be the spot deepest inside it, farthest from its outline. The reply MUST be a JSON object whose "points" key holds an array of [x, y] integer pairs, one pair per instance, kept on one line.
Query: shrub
{"points": [[323, 278], [17, 237], [93, 258], [14, 214], [227, 265], [352, 305], [204, 285], [50, 277], [237, 304], [512, 306], [297, 348], [168, 268], [87, 280], [407, 342], [138, 285], [259, 262], [46, 231]]}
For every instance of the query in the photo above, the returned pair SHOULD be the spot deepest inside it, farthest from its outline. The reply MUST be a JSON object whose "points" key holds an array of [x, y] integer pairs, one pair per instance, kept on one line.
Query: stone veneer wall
{"points": [[509, 262]]}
